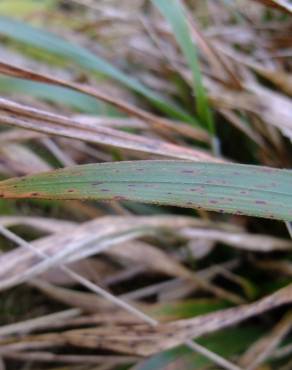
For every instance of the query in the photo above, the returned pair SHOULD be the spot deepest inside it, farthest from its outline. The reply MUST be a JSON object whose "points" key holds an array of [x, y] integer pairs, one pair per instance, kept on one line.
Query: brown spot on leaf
{"points": [[187, 171], [260, 202]]}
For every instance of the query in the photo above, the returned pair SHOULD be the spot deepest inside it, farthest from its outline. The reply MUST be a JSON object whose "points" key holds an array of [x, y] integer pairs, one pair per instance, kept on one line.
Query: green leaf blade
{"points": [[51, 93], [45, 40], [237, 189], [173, 12]]}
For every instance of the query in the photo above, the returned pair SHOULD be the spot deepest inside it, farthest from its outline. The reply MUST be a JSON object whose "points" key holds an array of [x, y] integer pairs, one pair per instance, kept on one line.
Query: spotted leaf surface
{"points": [[238, 189]]}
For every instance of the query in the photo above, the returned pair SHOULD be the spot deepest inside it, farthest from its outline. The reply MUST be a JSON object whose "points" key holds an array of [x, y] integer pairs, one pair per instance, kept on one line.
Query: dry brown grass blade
{"points": [[136, 254], [237, 122], [113, 122], [10, 345], [156, 123], [89, 238], [155, 259], [281, 79], [104, 312], [282, 352], [257, 243], [278, 4], [215, 321], [144, 340], [23, 116], [278, 76], [47, 357], [19, 136], [21, 160], [271, 107], [282, 267], [119, 302], [38, 323], [93, 269], [259, 352], [143, 254], [50, 225], [214, 57], [150, 257], [88, 302], [91, 303]]}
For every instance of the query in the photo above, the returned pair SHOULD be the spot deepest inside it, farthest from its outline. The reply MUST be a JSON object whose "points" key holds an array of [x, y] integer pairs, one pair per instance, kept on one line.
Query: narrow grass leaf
{"points": [[153, 120], [173, 12], [54, 94], [54, 44], [238, 189]]}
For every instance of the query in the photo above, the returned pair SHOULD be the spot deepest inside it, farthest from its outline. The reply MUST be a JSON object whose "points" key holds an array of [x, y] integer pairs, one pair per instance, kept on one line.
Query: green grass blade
{"points": [[238, 189], [54, 44], [173, 12], [54, 94]]}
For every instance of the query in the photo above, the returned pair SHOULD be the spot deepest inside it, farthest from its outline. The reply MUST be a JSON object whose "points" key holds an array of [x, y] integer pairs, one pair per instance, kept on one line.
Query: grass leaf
{"points": [[54, 94], [54, 44], [238, 189], [173, 12]]}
